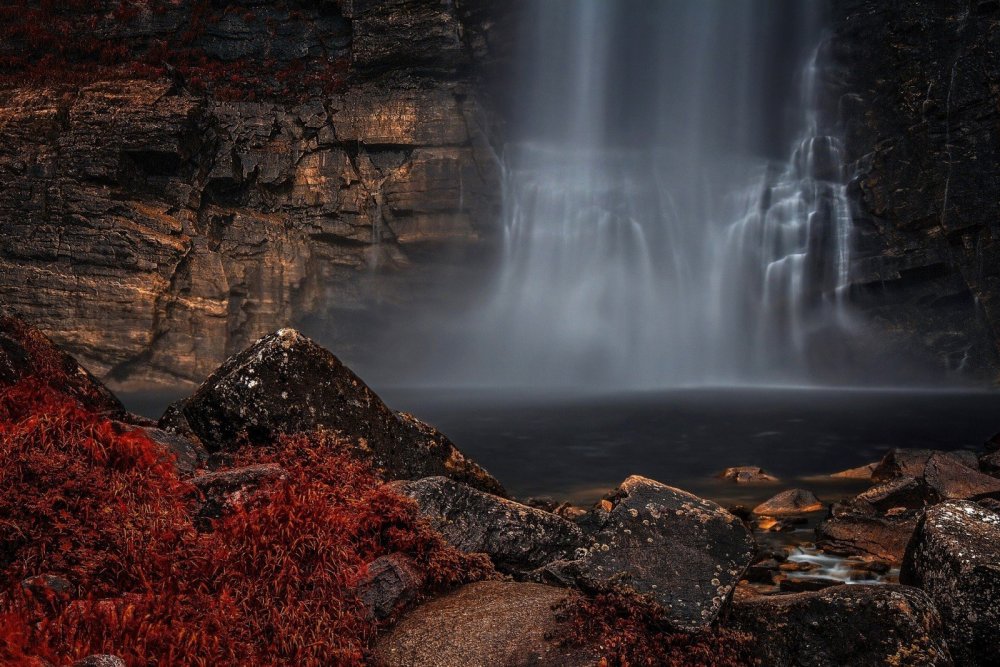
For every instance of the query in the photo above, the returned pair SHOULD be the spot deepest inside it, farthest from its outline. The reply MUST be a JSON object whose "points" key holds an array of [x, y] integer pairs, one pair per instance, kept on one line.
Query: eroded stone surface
{"points": [[854, 530], [955, 557], [391, 582], [685, 552], [515, 536], [494, 623], [861, 625]]}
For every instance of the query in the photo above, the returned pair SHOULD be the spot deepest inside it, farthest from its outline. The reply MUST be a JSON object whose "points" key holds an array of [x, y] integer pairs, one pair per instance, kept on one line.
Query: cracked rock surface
{"points": [[684, 552], [955, 557]]}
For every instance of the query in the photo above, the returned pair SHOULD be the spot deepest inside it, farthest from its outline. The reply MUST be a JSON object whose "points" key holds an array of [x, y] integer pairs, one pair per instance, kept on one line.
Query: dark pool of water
{"points": [[580, 447]]}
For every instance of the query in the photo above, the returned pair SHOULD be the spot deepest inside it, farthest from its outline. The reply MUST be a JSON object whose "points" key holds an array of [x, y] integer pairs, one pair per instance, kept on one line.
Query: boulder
{"points": [[684, 552], [861, 472], [989, 463], [855, 531], [516, 537], [25, 351], [912, 463], [390, 582], [955, 557], [285, 383], [903, 491], [860, 625], [747, 475], [100, 660], [485, 624], [793, 501], [954, 479], [189, 455]]}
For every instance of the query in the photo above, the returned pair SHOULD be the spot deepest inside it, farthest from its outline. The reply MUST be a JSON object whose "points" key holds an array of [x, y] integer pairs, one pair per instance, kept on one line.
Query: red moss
{"points": [[632, 631], [75, 42], [273, 583]]}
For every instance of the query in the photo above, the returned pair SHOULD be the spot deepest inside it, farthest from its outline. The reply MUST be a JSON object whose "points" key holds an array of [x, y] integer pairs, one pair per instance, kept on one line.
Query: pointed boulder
{"points": [[285, 383]]}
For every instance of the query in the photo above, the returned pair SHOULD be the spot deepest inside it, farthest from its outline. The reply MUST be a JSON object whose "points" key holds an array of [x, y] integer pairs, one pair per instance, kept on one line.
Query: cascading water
{"points": [[656, 233]]}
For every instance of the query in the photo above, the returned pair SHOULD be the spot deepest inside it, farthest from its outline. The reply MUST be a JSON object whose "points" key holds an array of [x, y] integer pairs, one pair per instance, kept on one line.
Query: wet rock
{"points": [[954, 479], [506, 624], [913, 463], [26, 351], [220, 491], [858, 625], [762, 572], [955, 557], [793, 501], [899, 492], [516, 537], [286, 383], [990, 463], [685, 552], [855, 532], [391, 582], [804, 584], [102, 660], [746, 475], [861, 472]]}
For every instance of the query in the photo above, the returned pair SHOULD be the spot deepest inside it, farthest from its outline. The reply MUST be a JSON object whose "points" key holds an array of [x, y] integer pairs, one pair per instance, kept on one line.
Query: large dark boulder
{"points": [[495, 623], [285, 383], [855, 530], [27, 352], [844, 625], [955, 557], [516, 537], [684, 552], [901, 462]]}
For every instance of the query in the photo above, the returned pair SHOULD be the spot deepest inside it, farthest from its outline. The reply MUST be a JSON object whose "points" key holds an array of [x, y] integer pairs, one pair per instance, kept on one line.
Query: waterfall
{"points": [[674, 207]]}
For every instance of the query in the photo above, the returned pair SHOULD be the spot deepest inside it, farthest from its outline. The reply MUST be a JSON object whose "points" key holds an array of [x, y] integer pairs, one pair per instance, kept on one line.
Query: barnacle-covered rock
{"points": [[684, 552]]}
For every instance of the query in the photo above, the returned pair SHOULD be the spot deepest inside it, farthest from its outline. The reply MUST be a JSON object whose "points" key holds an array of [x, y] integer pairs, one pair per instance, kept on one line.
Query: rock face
{"points": [[955, 557], [495, 623], [391, 581], [918, 99], [684, 552], [516, 537], [286, 383], [844, 625], [859, 531], [153, 229]]}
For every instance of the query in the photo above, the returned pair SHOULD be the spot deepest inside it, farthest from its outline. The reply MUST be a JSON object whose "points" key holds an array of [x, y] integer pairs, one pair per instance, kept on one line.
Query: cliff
{"points": [[181, 177], [919, 96]]}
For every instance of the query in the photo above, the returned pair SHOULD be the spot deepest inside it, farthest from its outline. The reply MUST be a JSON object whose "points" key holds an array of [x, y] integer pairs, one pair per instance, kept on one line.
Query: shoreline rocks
{"points": [[955, 557]]}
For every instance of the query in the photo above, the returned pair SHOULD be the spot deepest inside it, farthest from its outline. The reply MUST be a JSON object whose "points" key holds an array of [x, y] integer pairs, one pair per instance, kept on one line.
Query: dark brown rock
{"points": [[953, 480], [747, 475], [861, 472], [189, 455], [955, 557], [990, 463], [902, 491], [502, 624], [793, 501], [854, 532], [391, 582], [913, 463], [286, 383], [101, 660], [858, 625], [805, 584], [516, 537], [684, 552]]}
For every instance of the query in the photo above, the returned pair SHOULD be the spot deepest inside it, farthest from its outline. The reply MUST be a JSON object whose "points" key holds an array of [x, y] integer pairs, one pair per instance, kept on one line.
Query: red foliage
{"points": [[631, 631], [272, 583], [81, 41]]}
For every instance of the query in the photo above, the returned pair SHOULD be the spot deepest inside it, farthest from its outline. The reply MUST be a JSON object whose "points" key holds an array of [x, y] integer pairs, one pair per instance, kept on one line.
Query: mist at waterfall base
{"points": [[674, 210]]}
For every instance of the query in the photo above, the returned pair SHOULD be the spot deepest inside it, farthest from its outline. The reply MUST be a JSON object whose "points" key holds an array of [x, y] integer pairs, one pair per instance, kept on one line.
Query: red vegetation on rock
{"points": [[74, 42], [101, 506], [630, 631]]}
